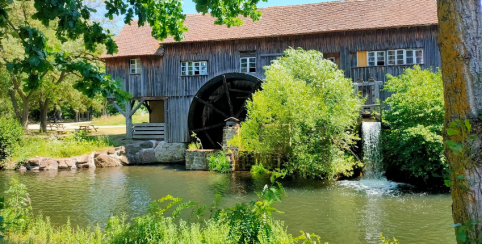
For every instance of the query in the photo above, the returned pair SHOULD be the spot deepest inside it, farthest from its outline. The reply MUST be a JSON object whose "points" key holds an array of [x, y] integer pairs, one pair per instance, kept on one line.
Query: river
{"points": [[345, 212]]}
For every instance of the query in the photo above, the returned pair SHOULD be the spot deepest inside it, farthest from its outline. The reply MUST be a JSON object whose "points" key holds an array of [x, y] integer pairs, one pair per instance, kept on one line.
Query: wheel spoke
{"points": [[212, 107], [226, 89]]}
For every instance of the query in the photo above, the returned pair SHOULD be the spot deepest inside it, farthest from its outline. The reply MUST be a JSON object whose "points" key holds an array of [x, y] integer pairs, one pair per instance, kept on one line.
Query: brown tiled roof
{"points": [[322, 17]]}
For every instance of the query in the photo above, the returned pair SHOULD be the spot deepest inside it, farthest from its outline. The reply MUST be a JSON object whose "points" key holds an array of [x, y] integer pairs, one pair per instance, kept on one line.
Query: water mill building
{"points": [[204, 80]]}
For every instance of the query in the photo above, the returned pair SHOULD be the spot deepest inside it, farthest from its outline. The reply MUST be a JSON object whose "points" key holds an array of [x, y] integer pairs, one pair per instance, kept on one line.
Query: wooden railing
{"points": [[149, 131], [369, 90]]}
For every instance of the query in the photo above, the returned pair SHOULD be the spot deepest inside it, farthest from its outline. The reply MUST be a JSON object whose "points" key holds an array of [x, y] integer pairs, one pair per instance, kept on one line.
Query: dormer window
{"points": [[194, 68], [135, 66], [248, 65]]}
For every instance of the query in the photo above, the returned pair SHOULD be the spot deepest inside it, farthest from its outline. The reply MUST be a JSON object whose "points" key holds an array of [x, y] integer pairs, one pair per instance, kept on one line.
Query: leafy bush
{"points": [[196, 144], [258, 169], [412, 141], [17, 212], [304, 114], [10, 135], [219, 162]]}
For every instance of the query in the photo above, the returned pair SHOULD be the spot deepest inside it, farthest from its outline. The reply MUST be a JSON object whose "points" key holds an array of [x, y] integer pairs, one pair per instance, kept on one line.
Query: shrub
{"points": [[303, 114], [412, 140], [10, 135], [219, 162], [258, 169]]}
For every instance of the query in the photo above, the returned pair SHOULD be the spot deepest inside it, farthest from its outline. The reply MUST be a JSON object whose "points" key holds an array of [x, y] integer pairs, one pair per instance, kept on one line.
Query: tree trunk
{"points": [[44, 108], [460, 42], [21, 114]]}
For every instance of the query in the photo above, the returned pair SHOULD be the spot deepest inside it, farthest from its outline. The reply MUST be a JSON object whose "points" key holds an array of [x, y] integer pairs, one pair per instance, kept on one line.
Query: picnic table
{"points": [[87, 127], [57, 126]]}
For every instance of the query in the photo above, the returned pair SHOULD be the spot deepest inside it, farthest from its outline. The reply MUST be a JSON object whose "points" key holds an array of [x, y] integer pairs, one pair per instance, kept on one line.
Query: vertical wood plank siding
{"points": [[161, 75]]}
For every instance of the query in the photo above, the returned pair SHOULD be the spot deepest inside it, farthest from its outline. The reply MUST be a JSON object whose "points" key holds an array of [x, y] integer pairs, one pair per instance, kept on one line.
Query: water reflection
{"points": [[342, 212]]}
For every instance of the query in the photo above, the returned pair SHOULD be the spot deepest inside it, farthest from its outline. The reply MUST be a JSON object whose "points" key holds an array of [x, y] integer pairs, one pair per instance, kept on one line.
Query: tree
{"points": [[303, 114], [460, 42]]}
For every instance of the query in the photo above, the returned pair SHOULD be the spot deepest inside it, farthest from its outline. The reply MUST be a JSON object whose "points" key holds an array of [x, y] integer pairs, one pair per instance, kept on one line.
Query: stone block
{"points": [[103, 152], [111, 151], [103, 161], [49, 164]]}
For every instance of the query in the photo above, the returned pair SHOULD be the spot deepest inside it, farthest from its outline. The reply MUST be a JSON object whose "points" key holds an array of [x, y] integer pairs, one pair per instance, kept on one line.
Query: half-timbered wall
{"points": [[161, 75]]}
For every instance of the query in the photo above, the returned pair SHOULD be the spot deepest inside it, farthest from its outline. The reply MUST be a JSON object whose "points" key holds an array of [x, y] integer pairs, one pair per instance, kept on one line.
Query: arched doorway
{"points": [[220, 98]]}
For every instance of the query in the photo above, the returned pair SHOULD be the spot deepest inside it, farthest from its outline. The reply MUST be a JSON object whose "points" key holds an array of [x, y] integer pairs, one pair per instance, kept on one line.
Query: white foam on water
{"points": [[372, 186]]}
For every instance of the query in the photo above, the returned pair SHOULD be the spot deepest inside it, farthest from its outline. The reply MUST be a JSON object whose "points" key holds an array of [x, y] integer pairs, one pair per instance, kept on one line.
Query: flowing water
{"points": [[372, 155], [345, 212]]}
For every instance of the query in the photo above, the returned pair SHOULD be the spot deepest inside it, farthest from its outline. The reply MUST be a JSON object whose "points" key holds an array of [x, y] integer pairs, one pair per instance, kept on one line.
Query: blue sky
{"points": [[190, 8]]}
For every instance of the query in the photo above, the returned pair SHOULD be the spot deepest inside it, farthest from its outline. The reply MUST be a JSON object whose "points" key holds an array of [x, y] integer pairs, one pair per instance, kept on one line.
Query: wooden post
{"points": [[128, 116]]}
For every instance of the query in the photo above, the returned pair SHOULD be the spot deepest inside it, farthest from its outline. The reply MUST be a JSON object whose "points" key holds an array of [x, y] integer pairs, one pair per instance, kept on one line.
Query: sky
{"points": [[190, 8]]}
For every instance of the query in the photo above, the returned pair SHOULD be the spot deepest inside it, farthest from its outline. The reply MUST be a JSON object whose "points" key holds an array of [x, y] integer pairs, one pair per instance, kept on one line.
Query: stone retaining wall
{"points": [[138, 153]]}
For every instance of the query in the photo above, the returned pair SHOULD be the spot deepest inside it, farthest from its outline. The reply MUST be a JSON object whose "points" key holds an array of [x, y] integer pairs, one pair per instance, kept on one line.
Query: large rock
{"points": [[123, 160], [147, 156], [62, 164], [170, 152], [111, 151], [34, 161], [49, 164], [104, 161], [83, 159], [96, 154]]}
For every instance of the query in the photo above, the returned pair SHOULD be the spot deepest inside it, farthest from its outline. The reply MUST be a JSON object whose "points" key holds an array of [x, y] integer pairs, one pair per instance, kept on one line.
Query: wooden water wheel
{"points": [[220, 98]]}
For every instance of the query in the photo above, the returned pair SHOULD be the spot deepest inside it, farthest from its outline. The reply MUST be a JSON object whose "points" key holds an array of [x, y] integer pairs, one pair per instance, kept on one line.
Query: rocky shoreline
{"points": [[138, 153]]}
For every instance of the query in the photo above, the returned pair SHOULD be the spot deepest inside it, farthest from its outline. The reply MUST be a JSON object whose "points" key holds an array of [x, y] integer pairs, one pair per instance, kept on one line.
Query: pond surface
{"points": [[346, 212]]}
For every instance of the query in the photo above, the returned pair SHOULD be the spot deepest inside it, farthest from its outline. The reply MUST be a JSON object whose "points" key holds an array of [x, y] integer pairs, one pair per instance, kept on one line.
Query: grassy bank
{"points": [[74, 144]]}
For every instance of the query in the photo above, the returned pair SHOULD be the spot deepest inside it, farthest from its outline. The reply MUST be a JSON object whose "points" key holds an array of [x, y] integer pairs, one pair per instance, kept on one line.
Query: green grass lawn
{"points": [[120, 120]]}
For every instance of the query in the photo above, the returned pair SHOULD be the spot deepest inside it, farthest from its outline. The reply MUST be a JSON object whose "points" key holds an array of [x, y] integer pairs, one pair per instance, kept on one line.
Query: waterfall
{"points": [[372, 155]]}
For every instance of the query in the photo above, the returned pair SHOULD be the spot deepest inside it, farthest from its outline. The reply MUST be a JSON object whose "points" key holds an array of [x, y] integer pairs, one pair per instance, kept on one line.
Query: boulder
{"points": [[83, 159], [49, 164], [147, 144], [111, 151], [62, 164], [34, 161], [120, 151], [123, 160], [70, 162], [103, 161], [96, 154], [147, 156]]}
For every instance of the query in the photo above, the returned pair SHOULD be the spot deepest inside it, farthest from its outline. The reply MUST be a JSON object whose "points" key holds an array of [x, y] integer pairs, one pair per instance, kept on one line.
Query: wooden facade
{"points": [[161, 74]]}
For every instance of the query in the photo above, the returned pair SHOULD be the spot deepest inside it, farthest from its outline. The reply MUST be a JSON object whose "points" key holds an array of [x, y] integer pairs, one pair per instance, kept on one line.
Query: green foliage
{"points": [[74, 144], [244, 223], [465, 232], [196, 144], [412, 142], [17, 213], [258, 169], [303, 114], [219, 162], [10, 135]]}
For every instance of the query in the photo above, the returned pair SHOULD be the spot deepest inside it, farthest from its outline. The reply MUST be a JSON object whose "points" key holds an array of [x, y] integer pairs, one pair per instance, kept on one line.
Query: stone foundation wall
{"points": [[149, 152], [198, 159], [145, 152]]}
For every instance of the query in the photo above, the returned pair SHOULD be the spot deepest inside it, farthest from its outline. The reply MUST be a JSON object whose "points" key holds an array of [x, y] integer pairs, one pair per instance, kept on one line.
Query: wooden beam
{"points": [[149, 98], [212, 107], [210, 127], [271, 54], [119, 108], [137, 107], [146, 104], [242, 91], [128, 121], [226, 89]]}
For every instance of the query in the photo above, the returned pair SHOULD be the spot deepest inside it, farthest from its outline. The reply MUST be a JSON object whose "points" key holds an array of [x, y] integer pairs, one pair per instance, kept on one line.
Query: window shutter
{"points": [[362, 58]]}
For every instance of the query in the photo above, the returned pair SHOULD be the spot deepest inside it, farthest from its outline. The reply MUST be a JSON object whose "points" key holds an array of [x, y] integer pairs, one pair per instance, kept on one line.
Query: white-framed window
{"points": [[376, 58], [248, 65], [135, 66], [194, 68], [405, 56]]}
